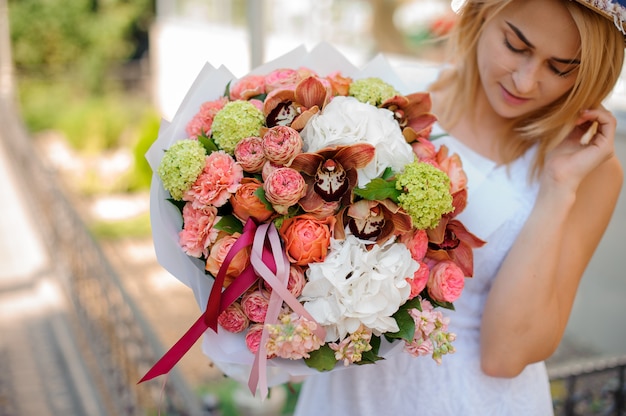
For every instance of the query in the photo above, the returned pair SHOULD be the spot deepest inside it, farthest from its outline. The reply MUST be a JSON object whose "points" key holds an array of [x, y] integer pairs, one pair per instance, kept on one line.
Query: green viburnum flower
{"points": [[425, 194], [236, 121], [373, 91], [181, 165]]}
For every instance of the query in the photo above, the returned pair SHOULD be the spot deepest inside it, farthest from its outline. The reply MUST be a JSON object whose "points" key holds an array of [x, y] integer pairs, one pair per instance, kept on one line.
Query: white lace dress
{"points": [[500, 200]]}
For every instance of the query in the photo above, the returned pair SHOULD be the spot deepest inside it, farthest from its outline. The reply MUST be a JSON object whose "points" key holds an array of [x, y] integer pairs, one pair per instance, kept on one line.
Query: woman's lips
{"points": [[512, 99]]}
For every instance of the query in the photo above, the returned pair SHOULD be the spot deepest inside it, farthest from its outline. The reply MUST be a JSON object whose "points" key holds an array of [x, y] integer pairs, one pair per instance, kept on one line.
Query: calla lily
{"points": [[331, 173], [295, 106], [373, 220], [450, 240], [412, 113]]}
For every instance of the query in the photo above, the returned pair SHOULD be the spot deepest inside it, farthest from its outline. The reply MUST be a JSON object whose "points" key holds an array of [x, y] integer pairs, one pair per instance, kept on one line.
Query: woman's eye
{"points": [[560, 73], [511, 47]]}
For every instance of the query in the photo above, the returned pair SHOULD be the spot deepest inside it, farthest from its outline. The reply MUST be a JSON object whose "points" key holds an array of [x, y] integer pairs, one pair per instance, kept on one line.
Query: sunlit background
{"points": [[87, 83]]}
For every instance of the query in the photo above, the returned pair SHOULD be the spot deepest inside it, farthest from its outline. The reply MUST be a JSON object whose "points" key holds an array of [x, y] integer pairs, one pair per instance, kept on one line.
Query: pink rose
{"points": [[219, 179], [280, 78], [248, 87], [306, 238], [268, 168], [198, 232], [249, 154], [296, 281], [218, 253], [283, 188], [254, 305], [417, 243], [246, 204], [201, 123], [233, 319], [281, 144], [446, 282], [419, 280], [253, 337]]}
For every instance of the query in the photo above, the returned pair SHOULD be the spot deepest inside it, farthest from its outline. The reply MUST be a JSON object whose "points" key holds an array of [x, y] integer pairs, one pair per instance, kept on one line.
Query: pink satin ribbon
{"points": [[268, 261]]}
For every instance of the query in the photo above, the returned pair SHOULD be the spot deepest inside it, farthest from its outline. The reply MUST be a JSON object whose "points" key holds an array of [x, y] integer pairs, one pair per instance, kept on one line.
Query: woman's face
{"points": [[528, 56]]}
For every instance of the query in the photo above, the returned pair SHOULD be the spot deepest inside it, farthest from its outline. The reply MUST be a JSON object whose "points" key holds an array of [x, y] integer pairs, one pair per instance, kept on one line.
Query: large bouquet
{"points": [[308, 210]]}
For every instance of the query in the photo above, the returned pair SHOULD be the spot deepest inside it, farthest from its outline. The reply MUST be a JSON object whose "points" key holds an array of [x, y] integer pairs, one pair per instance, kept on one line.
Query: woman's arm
{"points": [[530, 302]]}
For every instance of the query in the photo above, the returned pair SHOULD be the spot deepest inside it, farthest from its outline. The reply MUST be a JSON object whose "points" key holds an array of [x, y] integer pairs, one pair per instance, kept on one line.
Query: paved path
{"points": [[40, 369]]}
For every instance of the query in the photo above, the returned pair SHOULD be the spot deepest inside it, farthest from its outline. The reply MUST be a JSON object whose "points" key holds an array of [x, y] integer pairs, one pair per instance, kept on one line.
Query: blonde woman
{"points": [[521, 104]]}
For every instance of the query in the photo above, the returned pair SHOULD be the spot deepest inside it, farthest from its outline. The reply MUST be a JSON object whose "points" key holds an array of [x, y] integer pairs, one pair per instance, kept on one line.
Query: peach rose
{"points": [[255, 304], [296, 281], [306, 238], [246, 204], [280, 78], [233, 319], [281, 144], [218, 253], [446, 282], [339, 83], [248, 87], [283, 188]]}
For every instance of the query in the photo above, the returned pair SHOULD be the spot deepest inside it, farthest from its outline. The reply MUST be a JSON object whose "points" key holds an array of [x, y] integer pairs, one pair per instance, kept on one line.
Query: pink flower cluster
{"points": [[431, 333]]}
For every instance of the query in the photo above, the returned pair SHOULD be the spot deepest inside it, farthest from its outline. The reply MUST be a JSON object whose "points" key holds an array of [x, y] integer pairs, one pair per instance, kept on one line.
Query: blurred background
{"points": [[85, 310]]}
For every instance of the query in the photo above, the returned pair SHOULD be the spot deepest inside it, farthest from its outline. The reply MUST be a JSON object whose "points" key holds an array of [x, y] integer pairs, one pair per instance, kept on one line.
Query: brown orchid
{"points": [[373, 220], [412, 113], [295, 106], [331, 173], [450, 240]]}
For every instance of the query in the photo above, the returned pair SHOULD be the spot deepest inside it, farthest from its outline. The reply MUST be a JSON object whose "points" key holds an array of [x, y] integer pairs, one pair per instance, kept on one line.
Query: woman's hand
{"points": [[570, 162]]}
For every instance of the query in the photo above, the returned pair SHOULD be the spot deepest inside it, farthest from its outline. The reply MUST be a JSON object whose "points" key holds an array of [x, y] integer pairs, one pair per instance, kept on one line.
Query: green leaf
{"points": [[227, 90], [388, 173], [260, 193], [322, 359], [229, 224], [369, 357], [405, 323], [208, 144], [379, 189], [434, 137], [178, 204]]}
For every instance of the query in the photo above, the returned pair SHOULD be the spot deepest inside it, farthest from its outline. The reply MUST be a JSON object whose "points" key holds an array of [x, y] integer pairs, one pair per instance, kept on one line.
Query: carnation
{"points": [[237, 120], [373, 91], [220, 178], [426, 194], [180, 166], [198, 231]]}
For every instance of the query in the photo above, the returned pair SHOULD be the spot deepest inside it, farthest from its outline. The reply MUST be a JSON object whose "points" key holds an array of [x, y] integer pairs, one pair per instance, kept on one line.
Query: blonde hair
{"points": [[602, 54]]}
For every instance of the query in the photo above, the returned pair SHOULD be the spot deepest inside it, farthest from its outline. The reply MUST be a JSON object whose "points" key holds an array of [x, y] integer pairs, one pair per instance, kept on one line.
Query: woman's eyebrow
{"points": [[523, 38]]}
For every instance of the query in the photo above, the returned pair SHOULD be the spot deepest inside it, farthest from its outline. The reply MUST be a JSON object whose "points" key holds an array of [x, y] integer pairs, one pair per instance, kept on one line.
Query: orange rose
{"points": [[306, 238], [246, 204], [218, 253]]}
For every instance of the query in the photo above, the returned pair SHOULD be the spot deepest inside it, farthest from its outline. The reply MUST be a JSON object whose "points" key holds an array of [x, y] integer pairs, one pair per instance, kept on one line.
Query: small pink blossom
{"points": [[255, 304], [351, 348], [419, 280], [219, 179], [283, 188], [292, 337], [446, 281], [198, 232], [281, 144], [201, 123], [233, 319], [431, 333], [249, 154], [248, 87]]}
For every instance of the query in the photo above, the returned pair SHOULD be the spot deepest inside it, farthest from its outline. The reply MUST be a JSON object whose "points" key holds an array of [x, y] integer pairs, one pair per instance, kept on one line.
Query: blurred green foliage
{"points": [[77, 39]]}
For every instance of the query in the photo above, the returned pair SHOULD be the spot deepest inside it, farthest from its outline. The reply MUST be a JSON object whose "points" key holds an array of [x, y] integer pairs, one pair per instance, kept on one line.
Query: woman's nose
{"points": [[525, 77]]}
